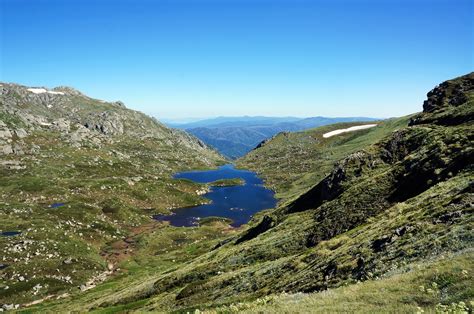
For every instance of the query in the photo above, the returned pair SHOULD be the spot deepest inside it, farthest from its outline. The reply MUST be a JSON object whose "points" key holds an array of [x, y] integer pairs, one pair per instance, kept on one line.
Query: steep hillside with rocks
{"points": [[398, 211], [386, 228], [76, 175], [405, 199], [291, 162], [80, 120]]}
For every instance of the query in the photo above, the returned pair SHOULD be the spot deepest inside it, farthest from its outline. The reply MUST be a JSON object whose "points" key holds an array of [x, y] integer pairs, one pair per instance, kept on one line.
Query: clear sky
{"points": [[203, 58]]}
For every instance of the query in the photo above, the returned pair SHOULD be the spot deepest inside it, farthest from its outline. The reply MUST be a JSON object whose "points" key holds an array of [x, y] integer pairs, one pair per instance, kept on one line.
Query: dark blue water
{"points": [[9, 233], [238, 203], [56, 205]]}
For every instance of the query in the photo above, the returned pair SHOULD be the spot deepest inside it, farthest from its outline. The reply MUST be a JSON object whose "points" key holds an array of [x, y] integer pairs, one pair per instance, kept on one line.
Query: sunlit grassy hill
{"points": [[77, 174], [290, 163], [387, 227]]}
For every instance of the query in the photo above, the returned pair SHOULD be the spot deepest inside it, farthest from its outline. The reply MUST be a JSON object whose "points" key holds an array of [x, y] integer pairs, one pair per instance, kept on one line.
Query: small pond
{"points": [[56, 205], [238, 203], [9, 233]]}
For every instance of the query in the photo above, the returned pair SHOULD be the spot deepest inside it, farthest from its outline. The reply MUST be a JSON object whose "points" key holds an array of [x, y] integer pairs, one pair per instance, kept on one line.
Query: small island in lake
{"points": [[228, 182]]}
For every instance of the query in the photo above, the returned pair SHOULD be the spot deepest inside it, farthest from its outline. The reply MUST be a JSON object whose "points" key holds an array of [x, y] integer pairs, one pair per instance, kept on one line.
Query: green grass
{"points": [[108, 190], [413, 289], [228, 182], [379, 220], [163, 249], [211, 220], [292, 162], [323, 247], [11, 120]]}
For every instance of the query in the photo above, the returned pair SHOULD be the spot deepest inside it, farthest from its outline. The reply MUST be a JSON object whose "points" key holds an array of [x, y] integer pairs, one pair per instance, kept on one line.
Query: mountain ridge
{"points": [[77, 176], [363, 207], [398, 209], [234, 138]]}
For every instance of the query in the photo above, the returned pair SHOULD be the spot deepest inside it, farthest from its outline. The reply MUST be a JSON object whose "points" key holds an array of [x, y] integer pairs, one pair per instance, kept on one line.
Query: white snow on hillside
{"points": [[351, 129], [42, 91]]}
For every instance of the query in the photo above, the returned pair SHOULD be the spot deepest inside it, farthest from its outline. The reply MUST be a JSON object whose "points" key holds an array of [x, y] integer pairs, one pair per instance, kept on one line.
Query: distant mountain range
{"points": [[234, 137]]}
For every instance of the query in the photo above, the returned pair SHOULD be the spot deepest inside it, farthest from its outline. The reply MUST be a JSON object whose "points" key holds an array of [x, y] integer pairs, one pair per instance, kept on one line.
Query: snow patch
{"points": [[42, 91], [351, 129]]}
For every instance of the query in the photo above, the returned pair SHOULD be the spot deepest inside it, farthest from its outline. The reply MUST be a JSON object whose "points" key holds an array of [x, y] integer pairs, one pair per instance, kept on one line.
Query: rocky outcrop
{"points": [[62, 125], [265, 224], [5, 133], [5, 139], [107, 123], [69, 91], [448, 94], [442, 106], [79, 119]]}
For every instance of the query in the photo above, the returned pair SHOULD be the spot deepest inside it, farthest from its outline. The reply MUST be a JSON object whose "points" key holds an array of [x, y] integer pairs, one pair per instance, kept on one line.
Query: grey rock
{"points": [[6, 149], [18, 149], [5, 133], [120, 104], [34, 149], [61, 125], [8, 307], [21, 133], [12, 164], [107, 123]]}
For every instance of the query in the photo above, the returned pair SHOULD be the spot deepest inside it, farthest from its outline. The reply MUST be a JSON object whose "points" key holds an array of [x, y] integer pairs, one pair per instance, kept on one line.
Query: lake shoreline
{"points": [[234, 194]]}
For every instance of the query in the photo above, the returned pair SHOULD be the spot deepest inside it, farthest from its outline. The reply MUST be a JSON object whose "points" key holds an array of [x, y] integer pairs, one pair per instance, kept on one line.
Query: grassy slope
{"points": [[438, 285], [291, 162], [108, 189], [164, 250], [278, 261], [382, 216], [392, 211]]}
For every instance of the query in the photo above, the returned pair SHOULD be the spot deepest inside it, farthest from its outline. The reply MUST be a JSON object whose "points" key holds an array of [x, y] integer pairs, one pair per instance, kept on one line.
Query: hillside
{"points": [[78, 174], [290, 163], [396, 215], [236, 137]]}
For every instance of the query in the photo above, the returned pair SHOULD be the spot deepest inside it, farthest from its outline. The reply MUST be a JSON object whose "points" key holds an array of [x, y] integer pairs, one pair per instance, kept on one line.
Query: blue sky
{"points": [[203, 58]]}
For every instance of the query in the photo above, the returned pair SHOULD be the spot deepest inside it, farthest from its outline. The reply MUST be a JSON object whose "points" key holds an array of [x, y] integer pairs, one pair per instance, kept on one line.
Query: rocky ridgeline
{"points": [[79, 119], [444, 103]]}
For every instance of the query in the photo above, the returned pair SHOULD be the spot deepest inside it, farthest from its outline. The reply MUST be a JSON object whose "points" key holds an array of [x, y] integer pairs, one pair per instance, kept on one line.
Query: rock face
{"points": [[107, 123], [449, 94], [5, 139], [444, 101], [79, 119]]}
